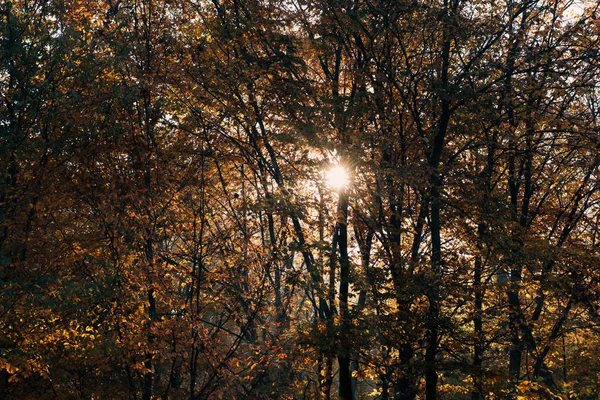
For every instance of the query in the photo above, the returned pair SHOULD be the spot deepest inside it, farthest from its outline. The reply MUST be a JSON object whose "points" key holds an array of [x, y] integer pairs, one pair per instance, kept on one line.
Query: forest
{"points": [[299, 199]]}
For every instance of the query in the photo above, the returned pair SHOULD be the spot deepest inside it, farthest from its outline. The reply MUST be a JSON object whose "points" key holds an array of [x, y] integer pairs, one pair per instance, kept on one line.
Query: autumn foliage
{"points": [[167, 229]]}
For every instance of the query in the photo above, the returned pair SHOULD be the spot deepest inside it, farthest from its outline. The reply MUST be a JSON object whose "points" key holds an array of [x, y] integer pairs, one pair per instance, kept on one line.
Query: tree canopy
{"points": [[353, 199]]}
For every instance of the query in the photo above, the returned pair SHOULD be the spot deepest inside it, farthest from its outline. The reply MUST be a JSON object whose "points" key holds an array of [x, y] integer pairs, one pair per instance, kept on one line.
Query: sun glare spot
{"points": [[337, 177]]}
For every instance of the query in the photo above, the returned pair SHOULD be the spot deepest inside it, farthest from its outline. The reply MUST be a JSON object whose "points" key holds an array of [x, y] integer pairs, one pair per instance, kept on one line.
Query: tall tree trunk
{"points": [[515, 351], [345, 389], [477, 318], [431, 375]]}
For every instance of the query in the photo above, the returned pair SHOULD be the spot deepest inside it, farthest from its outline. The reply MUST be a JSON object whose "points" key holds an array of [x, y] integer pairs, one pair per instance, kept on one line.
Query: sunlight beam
{"points": [[337, 177]]}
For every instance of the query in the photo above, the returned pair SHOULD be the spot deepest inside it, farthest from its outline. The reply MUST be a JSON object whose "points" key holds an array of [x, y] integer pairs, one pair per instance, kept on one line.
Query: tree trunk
{"points": [[345, 390]]}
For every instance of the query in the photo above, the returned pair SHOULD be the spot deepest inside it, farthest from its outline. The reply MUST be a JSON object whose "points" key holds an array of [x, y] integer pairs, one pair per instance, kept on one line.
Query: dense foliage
{"points": [[167, 231]]}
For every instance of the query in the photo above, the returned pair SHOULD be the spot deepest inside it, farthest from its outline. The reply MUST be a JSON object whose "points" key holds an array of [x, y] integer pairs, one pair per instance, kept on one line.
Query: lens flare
{"points": [[337, 177]]}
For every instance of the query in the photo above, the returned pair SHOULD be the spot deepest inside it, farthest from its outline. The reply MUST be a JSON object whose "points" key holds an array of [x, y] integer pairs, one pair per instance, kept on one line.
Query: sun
{"points": [[337, 177]]}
